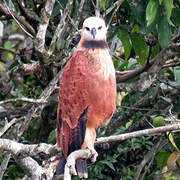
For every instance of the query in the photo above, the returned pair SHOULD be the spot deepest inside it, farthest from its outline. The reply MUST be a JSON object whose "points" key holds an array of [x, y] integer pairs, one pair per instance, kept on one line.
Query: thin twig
{"points": [[7, 126], [17, 20], [4, 164]]}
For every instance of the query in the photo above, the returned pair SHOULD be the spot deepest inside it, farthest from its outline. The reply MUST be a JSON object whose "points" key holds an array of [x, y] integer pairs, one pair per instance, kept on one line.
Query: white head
{"points": [[94, 28]]}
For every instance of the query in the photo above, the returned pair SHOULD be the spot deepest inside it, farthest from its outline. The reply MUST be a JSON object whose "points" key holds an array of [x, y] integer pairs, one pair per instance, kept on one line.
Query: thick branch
{"points": [[36, 150], [70, 164]]}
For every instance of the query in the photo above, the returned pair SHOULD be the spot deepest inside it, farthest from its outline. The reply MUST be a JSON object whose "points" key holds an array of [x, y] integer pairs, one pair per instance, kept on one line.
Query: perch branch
{"points": [[70, 164]]}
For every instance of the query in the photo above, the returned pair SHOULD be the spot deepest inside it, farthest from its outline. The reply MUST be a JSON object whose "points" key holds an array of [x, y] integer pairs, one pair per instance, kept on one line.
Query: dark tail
{"points": [[60, 167], [81, 168]]}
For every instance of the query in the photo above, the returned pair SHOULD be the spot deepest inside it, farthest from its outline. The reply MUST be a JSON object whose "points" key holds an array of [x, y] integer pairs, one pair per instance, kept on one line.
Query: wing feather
{"points": [[73, 104]]}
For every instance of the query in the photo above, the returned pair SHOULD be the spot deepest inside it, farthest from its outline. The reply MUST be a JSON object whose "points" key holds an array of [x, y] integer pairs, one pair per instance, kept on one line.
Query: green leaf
{"points": [[126, 41], [8, 45], [162, 158], [164, 32], [108, 163], [151, 11], [102, 4], [168, 4], [177, 74], [160, 2], [140, 47], [175, 16]]}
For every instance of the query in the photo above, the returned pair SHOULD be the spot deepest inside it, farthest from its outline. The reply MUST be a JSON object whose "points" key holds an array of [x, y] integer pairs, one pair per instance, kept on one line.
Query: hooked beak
{"points": [[93, 32]]}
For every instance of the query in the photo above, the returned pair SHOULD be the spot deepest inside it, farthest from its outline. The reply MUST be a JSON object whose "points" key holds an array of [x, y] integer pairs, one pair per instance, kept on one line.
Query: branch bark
{"points": [[146, 132], [40, 37]]}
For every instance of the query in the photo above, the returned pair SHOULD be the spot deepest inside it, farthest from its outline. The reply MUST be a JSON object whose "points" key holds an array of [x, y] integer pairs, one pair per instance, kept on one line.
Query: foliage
{"points": [[138, 31]]}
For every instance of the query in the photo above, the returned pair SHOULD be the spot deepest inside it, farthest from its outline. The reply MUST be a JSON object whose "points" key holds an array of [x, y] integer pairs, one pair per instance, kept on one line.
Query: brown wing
{"points": [[73, 105]]}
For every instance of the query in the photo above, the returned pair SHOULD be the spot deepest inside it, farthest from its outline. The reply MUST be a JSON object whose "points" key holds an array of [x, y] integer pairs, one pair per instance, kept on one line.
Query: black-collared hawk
{"points": [[87, 94]]}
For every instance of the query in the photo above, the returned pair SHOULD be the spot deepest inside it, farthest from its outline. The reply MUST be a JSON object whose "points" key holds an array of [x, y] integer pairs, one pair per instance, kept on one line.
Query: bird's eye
{"points": [[87, 28], [100, 27]]}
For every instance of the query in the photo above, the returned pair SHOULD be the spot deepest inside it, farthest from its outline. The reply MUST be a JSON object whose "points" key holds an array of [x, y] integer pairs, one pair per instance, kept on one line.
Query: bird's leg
{"points": [[89, 140]]}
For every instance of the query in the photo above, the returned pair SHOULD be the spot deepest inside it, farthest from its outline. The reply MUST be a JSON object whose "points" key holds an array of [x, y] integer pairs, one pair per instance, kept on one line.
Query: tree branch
{"points": [[40, 37], [36, 101], [152, 68], [146, 132], [61, 26], [34, 150], [18, 20], [70, 164], [7, 126]]}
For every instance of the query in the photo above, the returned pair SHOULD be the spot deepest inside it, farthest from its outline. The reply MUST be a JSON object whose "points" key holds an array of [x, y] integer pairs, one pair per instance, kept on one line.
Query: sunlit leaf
{"points": [[160, 2], [2, 66], [126, 41], [159, 121], [102, 4], [151, 11], [171, 139]]}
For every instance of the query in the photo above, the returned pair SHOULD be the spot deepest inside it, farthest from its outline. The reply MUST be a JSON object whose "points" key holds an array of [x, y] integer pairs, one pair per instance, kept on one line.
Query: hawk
{"points": [[87, 94]]}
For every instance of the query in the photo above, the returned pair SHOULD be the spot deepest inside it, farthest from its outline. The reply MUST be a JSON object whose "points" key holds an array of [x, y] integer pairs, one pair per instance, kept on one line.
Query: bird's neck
{"points": [[93, 44]]}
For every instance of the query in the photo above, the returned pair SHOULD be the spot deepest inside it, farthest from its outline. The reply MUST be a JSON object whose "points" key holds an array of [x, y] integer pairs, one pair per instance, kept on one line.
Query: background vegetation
{"points": [[37, 37]]}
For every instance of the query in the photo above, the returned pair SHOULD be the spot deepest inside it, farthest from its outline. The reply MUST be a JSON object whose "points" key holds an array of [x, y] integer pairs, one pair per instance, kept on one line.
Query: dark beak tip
{"points": [[93, 32]]}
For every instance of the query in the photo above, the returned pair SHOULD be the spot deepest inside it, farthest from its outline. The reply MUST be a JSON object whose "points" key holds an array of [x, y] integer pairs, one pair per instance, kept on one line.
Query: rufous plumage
{"points": [[87, 94]]}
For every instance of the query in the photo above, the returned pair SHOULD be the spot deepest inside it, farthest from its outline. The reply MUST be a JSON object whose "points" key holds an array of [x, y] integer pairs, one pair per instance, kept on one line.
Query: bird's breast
{"points": [[99, 63], [102, 87]]}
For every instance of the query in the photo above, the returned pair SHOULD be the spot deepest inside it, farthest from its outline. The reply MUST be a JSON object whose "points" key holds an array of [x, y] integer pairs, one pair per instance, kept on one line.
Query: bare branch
{"points": [[7, 126], [29, 69], [146, 132], [46, 14], [116, 4], [61, 26], [37, 101], [4, 164], [27, 25], [34, 150]]}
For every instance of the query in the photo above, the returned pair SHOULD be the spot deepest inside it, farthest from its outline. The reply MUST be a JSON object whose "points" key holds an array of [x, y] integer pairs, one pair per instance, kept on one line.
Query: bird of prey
{"points": [[87, 94]]}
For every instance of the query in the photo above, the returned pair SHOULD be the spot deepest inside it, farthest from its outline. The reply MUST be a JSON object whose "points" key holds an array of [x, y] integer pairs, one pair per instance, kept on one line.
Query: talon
{"points": [[94, 155]]}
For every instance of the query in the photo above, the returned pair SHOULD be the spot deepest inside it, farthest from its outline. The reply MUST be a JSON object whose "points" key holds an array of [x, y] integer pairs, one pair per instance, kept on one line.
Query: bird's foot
{"points": [[94, 155]]}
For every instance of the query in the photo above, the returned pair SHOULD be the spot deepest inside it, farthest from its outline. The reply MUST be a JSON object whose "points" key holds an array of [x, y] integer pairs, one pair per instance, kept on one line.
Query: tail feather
{"points": [[81, 168], [60, 167]]}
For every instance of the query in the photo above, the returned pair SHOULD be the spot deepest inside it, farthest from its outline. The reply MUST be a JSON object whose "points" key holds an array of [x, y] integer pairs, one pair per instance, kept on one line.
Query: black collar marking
{"points": [[94, 44]]}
